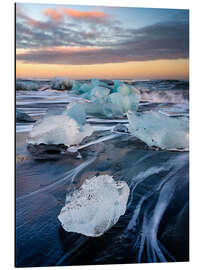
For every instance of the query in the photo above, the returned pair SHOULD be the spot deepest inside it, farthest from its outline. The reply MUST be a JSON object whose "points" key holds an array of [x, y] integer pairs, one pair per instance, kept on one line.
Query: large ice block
{"points": [[76, 111], [58, 129], [85, 88], [124, 89], [129, 102], [99, 94], [75, 88], [95, 207], [117, 83], [105, 110], [104, 83], [156, 129]]}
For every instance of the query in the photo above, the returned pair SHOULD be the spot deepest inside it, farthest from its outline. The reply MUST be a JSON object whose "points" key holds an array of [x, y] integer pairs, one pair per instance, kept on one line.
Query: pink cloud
{"points": [[54, 14], [94, 15]]}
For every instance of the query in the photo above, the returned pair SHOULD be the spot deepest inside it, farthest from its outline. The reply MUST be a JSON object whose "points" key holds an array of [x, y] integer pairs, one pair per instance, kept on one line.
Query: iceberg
{"points": [[61, 83], [58, 129], [95, 207], [156, 129]]}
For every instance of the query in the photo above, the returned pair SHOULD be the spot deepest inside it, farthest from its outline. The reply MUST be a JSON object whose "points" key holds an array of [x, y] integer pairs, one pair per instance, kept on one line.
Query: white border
{"points": [[196, 142]]}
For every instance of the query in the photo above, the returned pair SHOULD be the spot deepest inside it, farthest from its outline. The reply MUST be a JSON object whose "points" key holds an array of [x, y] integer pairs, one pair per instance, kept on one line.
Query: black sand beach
{"points": [[155, 226]]}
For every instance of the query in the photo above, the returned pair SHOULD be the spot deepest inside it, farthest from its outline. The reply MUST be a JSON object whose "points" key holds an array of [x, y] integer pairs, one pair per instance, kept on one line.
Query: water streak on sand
{"points": [[67, 177]]}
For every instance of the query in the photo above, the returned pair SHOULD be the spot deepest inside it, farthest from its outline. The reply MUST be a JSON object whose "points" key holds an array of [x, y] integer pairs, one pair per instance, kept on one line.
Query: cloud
{"points": [[166, 40], [39, 25], [100, 39], [93, 16], [62, 26], [54, 14]]}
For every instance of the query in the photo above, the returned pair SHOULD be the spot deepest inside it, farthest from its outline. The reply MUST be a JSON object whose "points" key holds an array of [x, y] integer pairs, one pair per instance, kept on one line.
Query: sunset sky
{"points": [[82, 42]]}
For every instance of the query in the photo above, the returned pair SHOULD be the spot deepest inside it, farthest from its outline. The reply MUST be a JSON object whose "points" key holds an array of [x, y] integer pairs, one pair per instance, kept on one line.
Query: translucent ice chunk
{"points": [[77, 112], [156, 129], [27, 85], [21, 86], [86, 95], [126, 103], [99, 94], [85, 88], [117, 99], [75, 88], [106, 110], [60, 83], [124, 89], [117, 83], [96, 82], [112, 110], [23, 117], [95, 207], [58, 129]]}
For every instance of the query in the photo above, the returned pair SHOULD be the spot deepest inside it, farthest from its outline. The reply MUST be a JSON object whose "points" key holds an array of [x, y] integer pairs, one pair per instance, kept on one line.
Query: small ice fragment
{"points": [[23, 117], [58, 129], [72, 149], [60, 83], [121, 128], [156, 129], [95, 207]]}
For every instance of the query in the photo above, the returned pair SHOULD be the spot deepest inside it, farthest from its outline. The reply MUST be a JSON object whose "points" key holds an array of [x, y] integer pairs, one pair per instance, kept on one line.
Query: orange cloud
{"points": [[53, 14], [94, 15]]}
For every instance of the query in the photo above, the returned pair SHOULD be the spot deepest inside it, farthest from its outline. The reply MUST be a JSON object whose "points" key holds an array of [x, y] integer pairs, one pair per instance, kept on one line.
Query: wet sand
{"points": [[41, 187], [155, 226]]}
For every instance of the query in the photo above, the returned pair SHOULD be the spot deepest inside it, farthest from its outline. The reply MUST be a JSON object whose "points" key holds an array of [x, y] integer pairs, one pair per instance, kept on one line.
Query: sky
{"points": [[82, 42]]}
